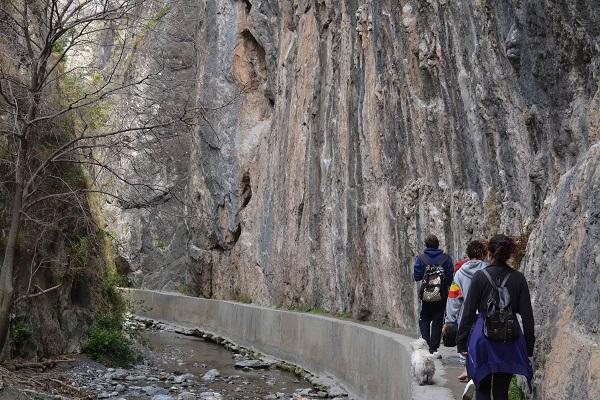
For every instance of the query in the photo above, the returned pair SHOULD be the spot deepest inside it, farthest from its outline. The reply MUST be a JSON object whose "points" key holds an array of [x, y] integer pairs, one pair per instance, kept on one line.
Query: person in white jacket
{"points": [[476, 251]]}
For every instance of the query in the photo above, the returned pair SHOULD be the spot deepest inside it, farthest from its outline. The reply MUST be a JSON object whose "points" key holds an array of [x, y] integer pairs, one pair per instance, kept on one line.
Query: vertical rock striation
{"points": [[336, 134], [562, 264], [333, 135]]}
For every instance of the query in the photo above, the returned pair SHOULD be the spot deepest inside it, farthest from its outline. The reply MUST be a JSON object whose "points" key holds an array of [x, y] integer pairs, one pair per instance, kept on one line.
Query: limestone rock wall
{"points": [[336, 134], [147, 217], [332, 136], [562, 266]]}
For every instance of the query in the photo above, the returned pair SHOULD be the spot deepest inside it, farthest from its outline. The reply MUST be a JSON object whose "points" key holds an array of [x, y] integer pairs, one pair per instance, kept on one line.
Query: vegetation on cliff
{"points": [[60, 136]]}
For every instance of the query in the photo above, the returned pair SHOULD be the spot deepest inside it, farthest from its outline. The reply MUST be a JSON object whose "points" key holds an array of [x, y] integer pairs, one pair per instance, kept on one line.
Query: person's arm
{"points": [[469, 315], [454, 303], [526, 312], [418, 270]]}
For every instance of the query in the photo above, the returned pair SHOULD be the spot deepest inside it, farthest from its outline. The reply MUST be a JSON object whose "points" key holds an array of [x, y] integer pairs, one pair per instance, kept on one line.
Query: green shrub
{"points": [[109, 339], [514, 391], [110, 346], [242, 298], [184, 289], [21, 333]]}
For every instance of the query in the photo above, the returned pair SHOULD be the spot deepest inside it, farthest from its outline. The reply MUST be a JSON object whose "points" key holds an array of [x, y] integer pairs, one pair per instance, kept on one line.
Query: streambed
{"points": [[180, 367]]}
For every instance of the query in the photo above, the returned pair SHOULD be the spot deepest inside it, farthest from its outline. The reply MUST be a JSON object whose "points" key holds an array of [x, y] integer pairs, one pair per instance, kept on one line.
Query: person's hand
{"points": [[445, 329]]}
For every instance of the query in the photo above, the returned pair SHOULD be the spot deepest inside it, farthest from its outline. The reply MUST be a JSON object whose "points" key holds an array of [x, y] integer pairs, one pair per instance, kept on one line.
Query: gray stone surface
{"points": [[365, 125], [149, 228], [256, 364], [369, 362], [335, 134], [562, 266]]}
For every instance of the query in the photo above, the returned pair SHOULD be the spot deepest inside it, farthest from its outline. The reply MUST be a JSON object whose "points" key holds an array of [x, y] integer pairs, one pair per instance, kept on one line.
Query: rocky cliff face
{"points": [[343, 132], [333, 135], [562, 264]]}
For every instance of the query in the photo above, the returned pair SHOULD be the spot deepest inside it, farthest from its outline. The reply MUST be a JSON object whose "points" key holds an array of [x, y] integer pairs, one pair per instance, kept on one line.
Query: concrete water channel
{"points": [[368, 362]]}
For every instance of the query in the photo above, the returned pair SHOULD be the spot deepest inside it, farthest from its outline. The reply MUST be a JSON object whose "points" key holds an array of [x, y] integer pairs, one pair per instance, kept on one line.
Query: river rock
{"points": [[210, 396], [211, 375], [162, 397], [154, 390], [254, 364], [182, 378]]}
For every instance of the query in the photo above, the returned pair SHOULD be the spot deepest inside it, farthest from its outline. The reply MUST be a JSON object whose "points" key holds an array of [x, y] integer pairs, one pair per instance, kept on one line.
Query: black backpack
{"points": [[432, 286], [501, 323]]}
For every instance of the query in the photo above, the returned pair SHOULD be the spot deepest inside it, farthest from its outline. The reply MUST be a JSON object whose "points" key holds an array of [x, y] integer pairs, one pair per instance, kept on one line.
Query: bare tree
{"points": [[59, 86]]}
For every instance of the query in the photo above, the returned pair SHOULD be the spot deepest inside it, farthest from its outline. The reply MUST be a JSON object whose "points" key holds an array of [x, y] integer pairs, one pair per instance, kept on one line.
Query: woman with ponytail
{"points": [[492, 363]]}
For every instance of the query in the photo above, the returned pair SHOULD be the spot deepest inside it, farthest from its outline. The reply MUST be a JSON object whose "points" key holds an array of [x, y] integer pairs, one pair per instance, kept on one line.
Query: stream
{"points": [[179, 367]]}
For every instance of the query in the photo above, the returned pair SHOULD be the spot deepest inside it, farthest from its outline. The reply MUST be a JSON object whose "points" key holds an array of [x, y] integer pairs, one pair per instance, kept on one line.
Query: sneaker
{"points": [[436, 354], [469, 393]]}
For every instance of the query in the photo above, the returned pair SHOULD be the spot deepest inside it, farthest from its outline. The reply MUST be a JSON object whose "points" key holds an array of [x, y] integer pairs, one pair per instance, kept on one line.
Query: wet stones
{"points": [[255, 364], [211, 375], [210, 396]]}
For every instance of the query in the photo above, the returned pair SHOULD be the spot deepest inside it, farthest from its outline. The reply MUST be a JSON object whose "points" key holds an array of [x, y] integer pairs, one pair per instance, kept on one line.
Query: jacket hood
{"points": [[433, 253], [470, 267]]}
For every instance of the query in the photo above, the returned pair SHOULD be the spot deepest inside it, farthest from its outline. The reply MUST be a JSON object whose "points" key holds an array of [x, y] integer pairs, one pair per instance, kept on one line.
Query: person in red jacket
{"points": [[460, 263]]}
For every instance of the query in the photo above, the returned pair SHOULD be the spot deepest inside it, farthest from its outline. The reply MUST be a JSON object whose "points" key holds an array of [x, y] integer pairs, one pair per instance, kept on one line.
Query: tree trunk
{"points": [[6, 274]]}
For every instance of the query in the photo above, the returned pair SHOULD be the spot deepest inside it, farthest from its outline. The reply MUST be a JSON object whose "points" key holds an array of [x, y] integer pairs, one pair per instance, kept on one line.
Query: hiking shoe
{"points": [[469, 393]]}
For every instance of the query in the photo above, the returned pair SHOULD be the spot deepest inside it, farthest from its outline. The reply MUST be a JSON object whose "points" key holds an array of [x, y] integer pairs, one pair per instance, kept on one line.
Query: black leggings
{"points": [[495, 383]]}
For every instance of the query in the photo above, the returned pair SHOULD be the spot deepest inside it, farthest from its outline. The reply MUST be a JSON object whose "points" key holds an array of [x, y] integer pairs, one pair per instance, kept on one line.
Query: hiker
{"points": [[434, 268], [460, 263], [496, 346], [476, 251]]}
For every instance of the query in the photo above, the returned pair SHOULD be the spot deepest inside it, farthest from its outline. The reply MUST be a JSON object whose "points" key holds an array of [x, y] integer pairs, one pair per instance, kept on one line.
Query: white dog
{"points": [[423, 367]]}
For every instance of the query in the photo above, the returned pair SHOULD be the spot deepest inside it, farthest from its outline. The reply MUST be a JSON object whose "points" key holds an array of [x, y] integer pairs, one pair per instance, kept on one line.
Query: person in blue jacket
{"points": [[431, 318]]}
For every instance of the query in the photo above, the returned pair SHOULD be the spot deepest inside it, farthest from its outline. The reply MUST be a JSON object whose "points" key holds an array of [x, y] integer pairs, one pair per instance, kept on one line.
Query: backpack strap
{"points": [[505, 280], [494, 285], [489, 278], [426, 260], [444, 260]]}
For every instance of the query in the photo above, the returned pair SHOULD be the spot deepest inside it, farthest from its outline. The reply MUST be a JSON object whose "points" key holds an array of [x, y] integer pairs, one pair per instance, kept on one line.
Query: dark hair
{"points": [[501, 248], [432, 242], [476, 249]]}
